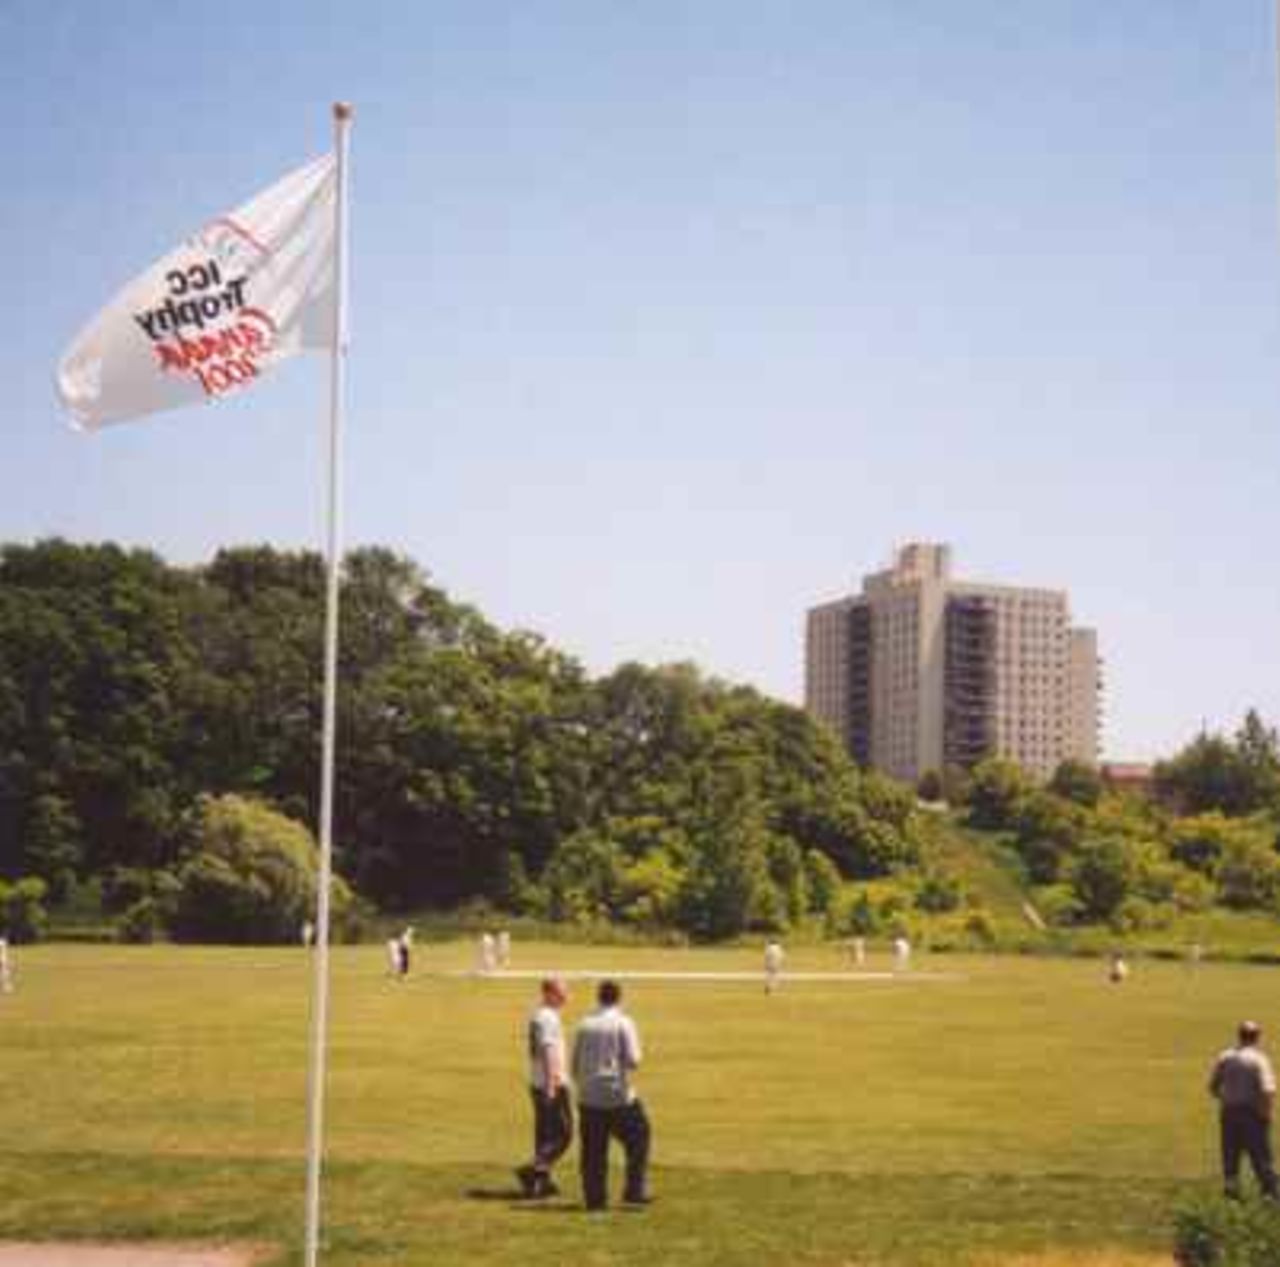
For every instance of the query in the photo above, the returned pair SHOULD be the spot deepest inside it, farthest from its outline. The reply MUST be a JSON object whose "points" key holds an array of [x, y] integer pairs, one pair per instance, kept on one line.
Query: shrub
{"points": [[1078, 782], [939, 892], [22, 914], [1058, 905], [823, 879], [1103, 875], [1135, 914], [851, 913], [124, 887], [141, 923], [980, 926], [252, 878], [1218, 1233], [929, 788], [997, 793]]}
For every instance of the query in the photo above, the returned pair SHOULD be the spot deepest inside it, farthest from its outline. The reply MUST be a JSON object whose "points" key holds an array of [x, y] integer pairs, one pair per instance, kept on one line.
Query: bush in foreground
{"points": [[1212, 1232]]}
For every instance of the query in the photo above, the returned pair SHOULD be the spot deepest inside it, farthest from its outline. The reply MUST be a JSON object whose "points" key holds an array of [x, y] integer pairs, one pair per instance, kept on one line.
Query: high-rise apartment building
{"points": [[921, 671]]}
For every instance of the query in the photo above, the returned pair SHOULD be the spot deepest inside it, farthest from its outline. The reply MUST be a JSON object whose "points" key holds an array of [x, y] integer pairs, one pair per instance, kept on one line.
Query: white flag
{"points": [[249, 289]]}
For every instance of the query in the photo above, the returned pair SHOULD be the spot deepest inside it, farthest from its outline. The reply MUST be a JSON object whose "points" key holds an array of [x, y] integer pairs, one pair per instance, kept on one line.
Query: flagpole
{"points": [[342, 114]]}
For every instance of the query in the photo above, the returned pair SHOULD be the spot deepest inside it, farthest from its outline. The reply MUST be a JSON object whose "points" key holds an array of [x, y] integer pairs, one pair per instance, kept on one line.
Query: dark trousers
{"points": [[552, 1127], [1246, 1133], [629, 1125]]}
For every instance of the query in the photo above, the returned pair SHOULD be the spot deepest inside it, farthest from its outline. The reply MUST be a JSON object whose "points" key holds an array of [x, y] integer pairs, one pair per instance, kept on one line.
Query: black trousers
{"points": [[552, 1127], [629, 1125], [1246, 1133]]}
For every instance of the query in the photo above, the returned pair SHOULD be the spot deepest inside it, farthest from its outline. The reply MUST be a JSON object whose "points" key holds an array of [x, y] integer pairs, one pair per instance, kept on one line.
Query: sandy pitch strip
{"points": [[84, 1254], [595, 974]]}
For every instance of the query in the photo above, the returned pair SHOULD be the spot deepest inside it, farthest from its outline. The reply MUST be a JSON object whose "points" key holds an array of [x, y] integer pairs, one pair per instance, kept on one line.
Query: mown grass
{"points": [[159, 1093]]}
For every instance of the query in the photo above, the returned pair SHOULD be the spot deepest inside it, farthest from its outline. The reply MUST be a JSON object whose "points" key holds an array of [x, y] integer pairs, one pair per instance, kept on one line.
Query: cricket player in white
{"points": [[773, 957]]}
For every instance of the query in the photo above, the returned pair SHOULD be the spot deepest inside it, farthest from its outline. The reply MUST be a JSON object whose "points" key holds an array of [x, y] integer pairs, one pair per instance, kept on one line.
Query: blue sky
{"points": [[670, 320]]}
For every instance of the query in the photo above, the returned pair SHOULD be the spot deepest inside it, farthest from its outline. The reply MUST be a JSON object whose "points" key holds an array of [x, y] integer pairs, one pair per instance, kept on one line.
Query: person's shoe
{"points": [[545, 1186], [640, 1199], [528, 1180]]}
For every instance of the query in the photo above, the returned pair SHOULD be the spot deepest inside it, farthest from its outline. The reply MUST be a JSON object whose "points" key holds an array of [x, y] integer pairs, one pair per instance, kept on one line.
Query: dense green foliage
{"points": [[1219, 1233], [475, 763], [1235, 776], [22, 912], [250, 878], [481, 764], [1092, 856]]}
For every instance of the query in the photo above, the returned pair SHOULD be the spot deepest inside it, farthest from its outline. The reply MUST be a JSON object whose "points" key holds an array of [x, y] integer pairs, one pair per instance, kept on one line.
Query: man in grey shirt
{"points": [[1245, 1088], [606, 1051]]}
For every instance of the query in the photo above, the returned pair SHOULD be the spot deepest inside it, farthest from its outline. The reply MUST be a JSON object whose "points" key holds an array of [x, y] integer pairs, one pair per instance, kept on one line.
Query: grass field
{"points": [[1022, 1108]]}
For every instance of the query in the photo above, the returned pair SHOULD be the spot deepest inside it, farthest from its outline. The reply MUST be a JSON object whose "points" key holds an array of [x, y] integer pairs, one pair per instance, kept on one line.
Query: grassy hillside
{"points": [[991, 876]]}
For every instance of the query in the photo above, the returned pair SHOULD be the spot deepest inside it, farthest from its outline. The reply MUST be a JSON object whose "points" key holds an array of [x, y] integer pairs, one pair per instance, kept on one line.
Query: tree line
{"points": [[160, 741], [150, 714]]}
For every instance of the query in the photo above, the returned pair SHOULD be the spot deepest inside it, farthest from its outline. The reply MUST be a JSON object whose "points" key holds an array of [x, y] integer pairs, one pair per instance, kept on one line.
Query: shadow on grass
{"points": [[497, 1194]]}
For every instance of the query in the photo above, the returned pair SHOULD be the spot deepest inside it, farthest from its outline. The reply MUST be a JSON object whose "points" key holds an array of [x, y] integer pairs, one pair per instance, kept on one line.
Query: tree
{"points": [[585, 879], [1078, 782], [1248, 873], [1200, 840], [824, 880], [1237, 777], [252, 877], [929, 786], [1102, 876], [996, 793], [1049, 830], [1259, 751]]}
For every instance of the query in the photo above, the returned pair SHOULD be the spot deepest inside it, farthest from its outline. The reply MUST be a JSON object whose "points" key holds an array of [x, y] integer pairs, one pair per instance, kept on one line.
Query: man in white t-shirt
{"points": [[549, 1091], [606, 1053], [1244, 1085]]}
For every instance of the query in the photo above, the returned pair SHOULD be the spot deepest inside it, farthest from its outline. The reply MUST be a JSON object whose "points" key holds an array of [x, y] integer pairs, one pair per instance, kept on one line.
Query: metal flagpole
{"points": [[342, 114]]}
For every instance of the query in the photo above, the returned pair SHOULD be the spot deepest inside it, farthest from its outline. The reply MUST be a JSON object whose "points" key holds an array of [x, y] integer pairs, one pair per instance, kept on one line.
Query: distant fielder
{"points": [[504, 948], [488, 953], [6, 968], [901, 954], [773, 957]]}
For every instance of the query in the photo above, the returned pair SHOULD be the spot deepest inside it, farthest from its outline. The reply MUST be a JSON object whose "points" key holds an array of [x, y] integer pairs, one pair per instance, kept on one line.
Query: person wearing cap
{"points": [[606, 1052], [549, 1091], [1245, 1087]]}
